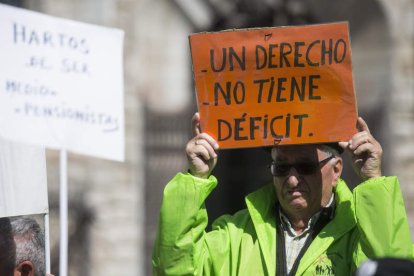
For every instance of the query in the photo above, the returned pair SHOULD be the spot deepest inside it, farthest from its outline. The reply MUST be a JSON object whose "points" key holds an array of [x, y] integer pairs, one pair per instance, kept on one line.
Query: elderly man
{"points": [[22, 247], [307, 222], [30, 247]]}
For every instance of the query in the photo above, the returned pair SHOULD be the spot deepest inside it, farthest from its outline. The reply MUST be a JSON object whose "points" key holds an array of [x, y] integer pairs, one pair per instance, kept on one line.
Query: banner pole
{"points": [[47, 243], [63, 212]]}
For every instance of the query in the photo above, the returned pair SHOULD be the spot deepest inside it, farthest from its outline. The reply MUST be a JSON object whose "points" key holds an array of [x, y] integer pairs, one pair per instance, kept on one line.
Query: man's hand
{"points": [[366, 152], [201, 151]]}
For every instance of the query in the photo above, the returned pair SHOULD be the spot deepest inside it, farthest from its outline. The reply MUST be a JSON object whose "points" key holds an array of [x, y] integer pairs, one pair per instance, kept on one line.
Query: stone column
{"points": [[400, 15]]}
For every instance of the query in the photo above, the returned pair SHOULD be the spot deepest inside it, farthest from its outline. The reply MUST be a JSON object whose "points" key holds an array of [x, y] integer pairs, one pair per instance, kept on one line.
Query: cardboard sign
{"points": [[23, 185], [61, 84], [271, 86]]}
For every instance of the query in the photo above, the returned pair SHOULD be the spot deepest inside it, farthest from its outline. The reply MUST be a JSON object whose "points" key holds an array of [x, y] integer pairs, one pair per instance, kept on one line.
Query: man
{"points": [[307, 222], [30, 247], [22, 247]]}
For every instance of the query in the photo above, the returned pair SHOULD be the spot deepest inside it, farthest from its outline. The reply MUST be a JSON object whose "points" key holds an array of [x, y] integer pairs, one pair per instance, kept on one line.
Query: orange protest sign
{"points": [[267, 86]]}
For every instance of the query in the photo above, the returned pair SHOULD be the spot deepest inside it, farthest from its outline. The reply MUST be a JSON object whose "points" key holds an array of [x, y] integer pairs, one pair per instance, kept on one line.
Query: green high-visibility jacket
{"points": [[369, 222]]}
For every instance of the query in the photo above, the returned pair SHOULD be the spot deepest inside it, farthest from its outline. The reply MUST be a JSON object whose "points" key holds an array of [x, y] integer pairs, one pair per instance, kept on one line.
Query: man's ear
{"points": [[24, 268], [337, 169]]}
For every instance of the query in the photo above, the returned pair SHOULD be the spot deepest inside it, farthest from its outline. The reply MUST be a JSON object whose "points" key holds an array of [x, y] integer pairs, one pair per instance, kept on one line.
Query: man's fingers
{"points": [[195, 124], [364, 148], [362, 125], [205, 151], [210, 140], [343, 145], [361, 138], [207, 145], [201, 150]]}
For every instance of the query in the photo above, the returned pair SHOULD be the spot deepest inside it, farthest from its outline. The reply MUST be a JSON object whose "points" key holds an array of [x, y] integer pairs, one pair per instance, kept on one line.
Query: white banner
{"points": [[23, 184], [61, 83]]}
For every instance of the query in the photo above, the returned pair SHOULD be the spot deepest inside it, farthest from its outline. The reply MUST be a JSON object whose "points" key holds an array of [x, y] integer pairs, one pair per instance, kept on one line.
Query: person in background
{"points": [[307, 222], [30, 247]]}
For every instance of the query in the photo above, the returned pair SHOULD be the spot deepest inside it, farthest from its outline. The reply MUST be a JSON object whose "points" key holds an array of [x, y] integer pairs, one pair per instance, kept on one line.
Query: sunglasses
{"points": [[303, 168]]}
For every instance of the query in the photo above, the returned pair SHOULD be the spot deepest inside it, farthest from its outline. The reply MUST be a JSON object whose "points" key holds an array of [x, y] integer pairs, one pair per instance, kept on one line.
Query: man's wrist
{"points": [[372, 176], [199, 175]]}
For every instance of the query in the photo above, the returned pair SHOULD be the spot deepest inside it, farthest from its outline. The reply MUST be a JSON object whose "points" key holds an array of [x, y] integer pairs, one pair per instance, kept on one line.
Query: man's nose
{"points": [[293, 178]]}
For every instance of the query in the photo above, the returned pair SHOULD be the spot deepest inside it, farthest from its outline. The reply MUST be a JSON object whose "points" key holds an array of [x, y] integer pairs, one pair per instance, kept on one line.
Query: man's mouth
{"points": [[296, 192]]}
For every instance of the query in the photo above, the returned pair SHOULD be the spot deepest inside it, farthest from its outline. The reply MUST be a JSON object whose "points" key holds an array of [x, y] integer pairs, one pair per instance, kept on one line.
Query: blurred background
{"points": [[114, 206]]}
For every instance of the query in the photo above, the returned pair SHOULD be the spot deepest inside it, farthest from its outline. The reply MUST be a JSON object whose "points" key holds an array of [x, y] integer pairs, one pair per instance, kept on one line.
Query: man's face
{"points": [[301, 192]]}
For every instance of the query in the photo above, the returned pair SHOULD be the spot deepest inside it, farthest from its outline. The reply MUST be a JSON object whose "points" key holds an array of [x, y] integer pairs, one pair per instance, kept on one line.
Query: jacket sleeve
{"points": [[180, 246], [381, 219]]}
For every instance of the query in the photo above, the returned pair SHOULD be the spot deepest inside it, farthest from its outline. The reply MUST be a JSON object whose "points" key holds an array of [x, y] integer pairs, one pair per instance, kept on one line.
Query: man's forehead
{"points": [[309, 150]]}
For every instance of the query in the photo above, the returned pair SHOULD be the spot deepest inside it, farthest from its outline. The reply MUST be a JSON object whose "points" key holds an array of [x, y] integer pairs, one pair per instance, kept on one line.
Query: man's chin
{"points": [[298, 203]]}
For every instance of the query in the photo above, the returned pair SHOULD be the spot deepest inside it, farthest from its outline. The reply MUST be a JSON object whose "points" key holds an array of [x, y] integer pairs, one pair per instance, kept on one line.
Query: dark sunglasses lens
{"points": [[306, 168], [301, 168], [280, 169]]}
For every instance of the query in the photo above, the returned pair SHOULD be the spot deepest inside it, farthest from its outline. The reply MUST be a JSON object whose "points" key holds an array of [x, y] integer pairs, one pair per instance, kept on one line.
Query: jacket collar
{"points": [[261, 207]]}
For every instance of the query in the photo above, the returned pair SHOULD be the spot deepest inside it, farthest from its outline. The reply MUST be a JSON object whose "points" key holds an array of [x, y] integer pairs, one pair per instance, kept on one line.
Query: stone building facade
{"points": [[400, 24], [114, 206]]}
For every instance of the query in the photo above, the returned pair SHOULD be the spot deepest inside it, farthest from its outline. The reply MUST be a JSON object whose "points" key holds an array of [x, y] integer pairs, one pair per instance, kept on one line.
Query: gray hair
{"points": [[30, 243], [328, 149]]}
